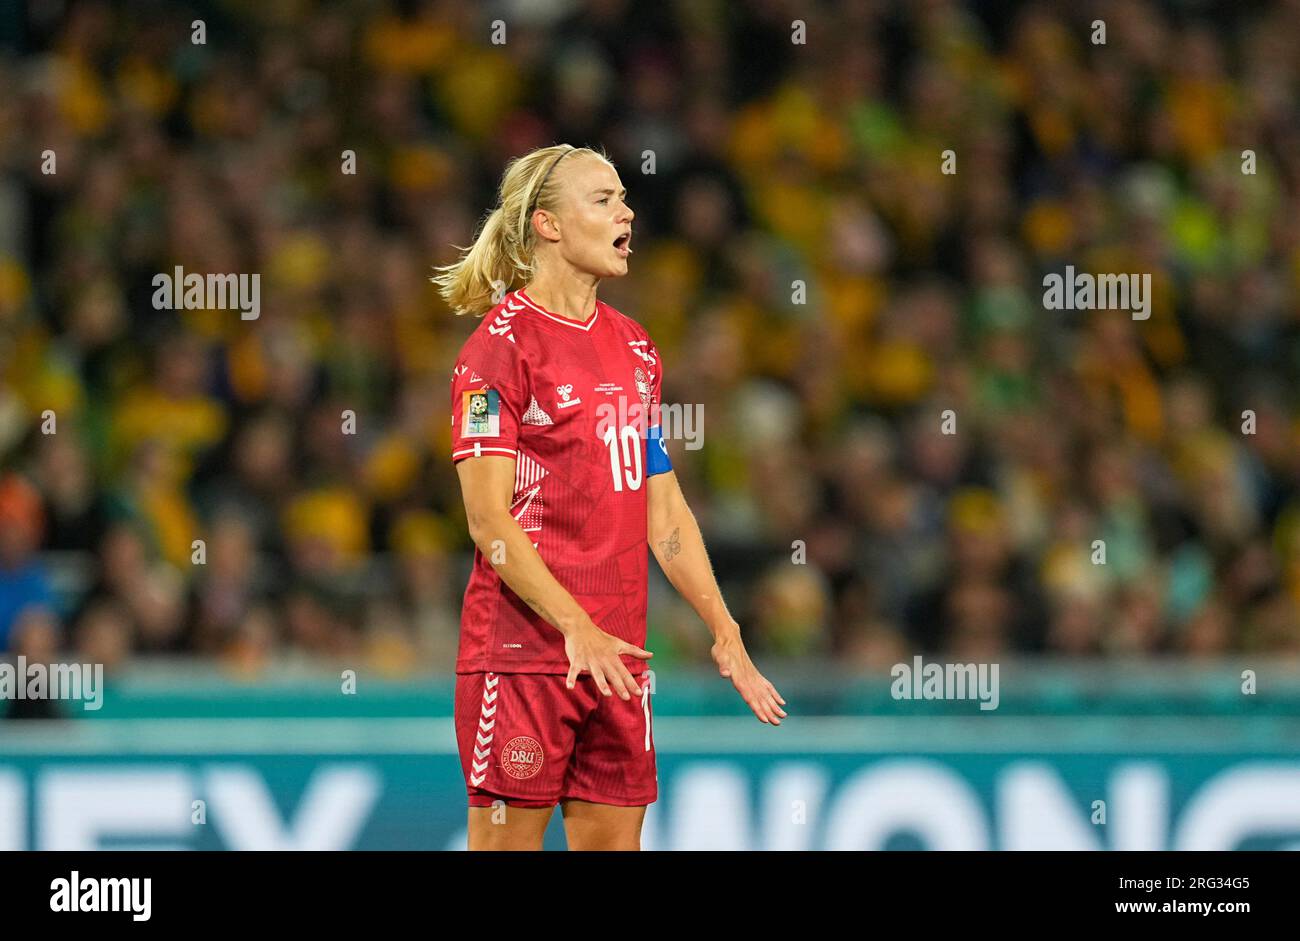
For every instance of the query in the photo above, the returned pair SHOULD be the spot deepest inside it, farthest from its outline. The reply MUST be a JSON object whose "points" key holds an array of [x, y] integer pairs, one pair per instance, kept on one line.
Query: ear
{"points": [[546, 224]]}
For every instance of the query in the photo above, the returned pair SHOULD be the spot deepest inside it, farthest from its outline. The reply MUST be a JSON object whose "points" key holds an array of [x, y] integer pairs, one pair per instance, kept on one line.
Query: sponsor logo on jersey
{"points": [[522, 757], [564, 392]]}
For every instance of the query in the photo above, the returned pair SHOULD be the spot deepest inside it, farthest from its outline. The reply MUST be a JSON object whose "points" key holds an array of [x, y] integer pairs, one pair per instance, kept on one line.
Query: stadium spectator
{"points": [[865, 333]]}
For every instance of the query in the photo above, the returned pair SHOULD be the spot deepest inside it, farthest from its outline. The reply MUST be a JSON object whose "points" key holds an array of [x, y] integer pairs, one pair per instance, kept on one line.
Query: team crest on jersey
{"points": [[643, 388], [482, 411], [522, 757]]}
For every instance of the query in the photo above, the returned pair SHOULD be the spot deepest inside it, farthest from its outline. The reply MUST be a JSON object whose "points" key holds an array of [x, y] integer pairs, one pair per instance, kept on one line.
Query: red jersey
{"points": [[570, 401]]}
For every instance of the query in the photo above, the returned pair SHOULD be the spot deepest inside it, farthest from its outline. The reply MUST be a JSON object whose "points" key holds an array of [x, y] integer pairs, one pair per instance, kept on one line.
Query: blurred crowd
{"points": [[186, 482]]}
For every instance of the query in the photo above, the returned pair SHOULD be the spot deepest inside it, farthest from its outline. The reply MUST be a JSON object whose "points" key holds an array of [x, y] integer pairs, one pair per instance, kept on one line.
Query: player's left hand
{"points": [[760, 695]]}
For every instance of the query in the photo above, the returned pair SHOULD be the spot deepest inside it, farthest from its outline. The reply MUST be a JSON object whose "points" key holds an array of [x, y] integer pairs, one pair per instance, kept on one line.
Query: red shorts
{"points": [[528, 740]]}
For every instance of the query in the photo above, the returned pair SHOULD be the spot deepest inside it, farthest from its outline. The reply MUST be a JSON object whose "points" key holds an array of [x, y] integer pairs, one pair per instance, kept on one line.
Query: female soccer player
{"points": [[565, 477]]}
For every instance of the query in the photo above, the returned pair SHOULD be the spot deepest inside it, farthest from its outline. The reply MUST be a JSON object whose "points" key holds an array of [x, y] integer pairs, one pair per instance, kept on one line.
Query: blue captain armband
{"points": [[656, 453]]}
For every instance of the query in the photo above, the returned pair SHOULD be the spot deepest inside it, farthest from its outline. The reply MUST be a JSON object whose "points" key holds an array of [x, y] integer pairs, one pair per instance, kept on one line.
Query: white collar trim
{"points": [[564, 320]]}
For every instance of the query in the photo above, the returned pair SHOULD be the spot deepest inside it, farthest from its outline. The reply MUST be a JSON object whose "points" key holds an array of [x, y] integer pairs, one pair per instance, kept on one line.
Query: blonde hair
{"points": [[504, 250]]}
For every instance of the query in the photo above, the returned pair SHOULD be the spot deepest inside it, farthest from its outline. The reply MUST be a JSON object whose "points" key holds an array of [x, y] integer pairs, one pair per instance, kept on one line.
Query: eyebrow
{"points": [[610, 192]]}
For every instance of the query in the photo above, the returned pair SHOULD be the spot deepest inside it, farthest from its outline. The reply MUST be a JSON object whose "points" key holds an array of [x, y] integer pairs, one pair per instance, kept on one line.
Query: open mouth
{"points": [[623, 244]]}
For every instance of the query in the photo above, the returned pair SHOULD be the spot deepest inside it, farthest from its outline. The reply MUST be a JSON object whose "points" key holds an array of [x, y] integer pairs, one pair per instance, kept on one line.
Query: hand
{"points": [[591, 650], [733, 661]]}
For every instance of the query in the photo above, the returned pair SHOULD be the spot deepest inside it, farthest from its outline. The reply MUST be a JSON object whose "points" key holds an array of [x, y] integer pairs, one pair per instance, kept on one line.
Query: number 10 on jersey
{"points": [[624, 457]]}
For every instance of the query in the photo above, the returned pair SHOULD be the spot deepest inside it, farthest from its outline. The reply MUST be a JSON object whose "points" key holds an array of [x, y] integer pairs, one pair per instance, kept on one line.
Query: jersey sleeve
{"points": [[656, 450], [489, 393]]}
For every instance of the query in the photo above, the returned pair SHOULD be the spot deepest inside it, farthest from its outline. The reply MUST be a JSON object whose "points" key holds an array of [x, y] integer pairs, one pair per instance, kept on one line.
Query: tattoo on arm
{"points": [[671, 546]]}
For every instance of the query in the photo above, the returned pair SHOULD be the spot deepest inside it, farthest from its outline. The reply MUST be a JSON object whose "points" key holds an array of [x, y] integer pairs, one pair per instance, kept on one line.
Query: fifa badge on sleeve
{"points": [[482, 411]]}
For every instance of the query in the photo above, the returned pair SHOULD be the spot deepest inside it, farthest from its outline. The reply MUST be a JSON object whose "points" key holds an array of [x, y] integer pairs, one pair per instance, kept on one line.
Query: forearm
{"points": [[678, 545], [511, 553]]}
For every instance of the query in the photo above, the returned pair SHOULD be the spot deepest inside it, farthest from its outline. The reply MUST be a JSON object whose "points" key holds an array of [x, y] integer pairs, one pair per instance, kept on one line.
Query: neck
{"points": [[568, 295]]}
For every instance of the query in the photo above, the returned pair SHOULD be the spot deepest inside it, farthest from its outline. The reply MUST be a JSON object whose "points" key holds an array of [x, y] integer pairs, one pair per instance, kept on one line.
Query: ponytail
{"points": [[504, 249]]}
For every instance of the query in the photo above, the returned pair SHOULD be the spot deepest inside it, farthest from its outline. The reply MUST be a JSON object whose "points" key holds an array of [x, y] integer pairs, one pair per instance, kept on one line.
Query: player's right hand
{"points": [[591, 650]]}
